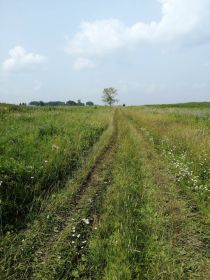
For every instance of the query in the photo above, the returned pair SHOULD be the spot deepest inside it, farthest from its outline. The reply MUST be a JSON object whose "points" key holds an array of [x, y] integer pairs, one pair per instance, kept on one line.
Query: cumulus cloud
{"points": [[83, 63], [97, 38], [20, 60], [182, 22]]}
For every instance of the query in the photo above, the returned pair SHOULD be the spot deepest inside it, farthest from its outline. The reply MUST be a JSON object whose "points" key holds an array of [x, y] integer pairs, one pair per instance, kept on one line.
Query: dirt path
{"points": [[65, 248], [181, 235]]}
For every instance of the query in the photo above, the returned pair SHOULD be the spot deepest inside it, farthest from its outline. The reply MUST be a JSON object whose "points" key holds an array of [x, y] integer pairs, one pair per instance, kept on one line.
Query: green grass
{"points": [[143, 212], [190, 105], [20, 252], [116, 250], [177, 138], [40, 148], [146, 230]]}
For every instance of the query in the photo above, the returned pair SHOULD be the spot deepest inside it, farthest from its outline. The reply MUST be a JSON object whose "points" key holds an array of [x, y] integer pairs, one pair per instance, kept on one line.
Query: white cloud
{"points": [[83, 63], [97, 38], [182, 22], [20, 60]]}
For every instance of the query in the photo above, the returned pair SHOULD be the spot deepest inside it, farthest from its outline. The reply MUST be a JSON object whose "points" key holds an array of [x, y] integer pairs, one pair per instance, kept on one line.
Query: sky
{"points": [[151, 51]]}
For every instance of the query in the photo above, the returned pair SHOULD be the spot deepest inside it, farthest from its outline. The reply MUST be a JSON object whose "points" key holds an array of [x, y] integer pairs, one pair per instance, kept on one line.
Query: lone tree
{"points": [[109, 96]]}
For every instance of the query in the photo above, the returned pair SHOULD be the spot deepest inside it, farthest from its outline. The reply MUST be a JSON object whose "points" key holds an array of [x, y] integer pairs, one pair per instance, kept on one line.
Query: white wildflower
{"points": [[86, 221]]}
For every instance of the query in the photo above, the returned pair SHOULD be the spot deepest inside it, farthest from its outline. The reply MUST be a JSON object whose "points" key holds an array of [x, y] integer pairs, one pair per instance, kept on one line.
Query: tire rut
{"points": [[78, 220]]}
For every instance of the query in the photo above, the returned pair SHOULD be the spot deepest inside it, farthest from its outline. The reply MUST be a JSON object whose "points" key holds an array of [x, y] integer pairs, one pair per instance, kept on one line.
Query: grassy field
{"points": [[105, 193], [39, 149]]}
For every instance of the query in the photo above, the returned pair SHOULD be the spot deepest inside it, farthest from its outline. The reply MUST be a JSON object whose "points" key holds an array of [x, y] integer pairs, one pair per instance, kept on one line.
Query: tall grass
{"points": [[21, 252], [147, 199], [39, 148], [145, 230], [185, 141]]}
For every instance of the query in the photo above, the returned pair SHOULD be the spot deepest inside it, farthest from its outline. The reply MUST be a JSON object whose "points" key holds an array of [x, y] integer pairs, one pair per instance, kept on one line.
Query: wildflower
{"points": [[1, 183], [86, 221], [56, 229], [55, 147], [78, 235], [46, 161], [32, 177]]}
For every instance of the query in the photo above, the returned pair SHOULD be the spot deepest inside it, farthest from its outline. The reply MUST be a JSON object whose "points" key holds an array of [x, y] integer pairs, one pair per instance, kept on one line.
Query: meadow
{"points": [[39, 147], [105, 193]]}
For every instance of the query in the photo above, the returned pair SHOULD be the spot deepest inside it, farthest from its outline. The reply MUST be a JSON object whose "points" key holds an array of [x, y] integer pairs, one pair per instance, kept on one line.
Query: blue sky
{"points": [[152, 51]]}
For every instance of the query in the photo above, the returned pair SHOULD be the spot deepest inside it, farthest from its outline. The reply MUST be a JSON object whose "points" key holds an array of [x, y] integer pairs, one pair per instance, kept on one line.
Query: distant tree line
{"points": [[60, 103], [108, 97]]}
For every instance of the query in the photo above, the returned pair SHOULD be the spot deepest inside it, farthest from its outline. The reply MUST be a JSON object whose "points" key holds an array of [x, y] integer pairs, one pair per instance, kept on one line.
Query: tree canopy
{"points": [[89, 103], [109, 96]]}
